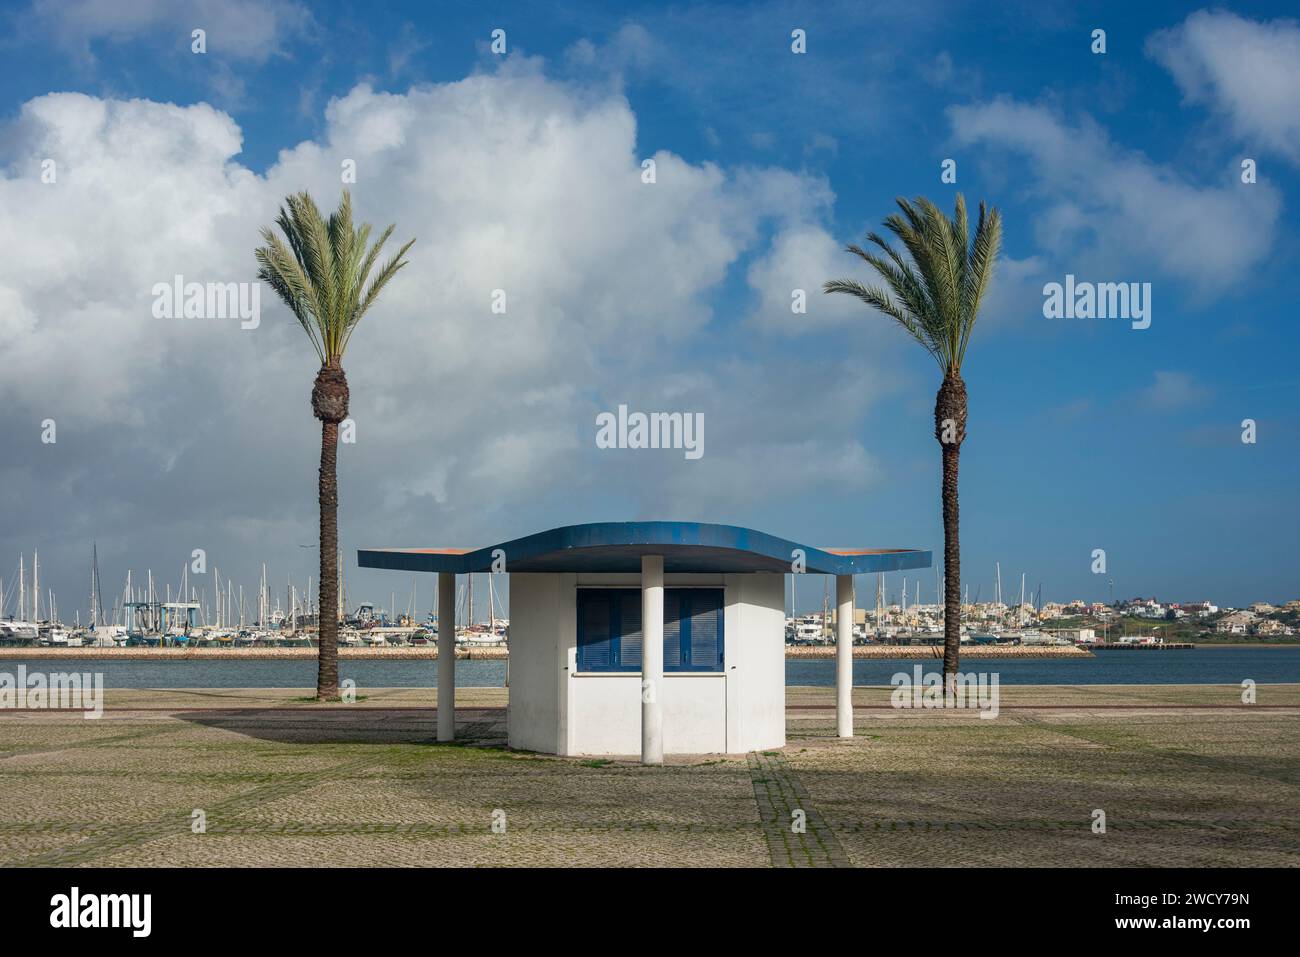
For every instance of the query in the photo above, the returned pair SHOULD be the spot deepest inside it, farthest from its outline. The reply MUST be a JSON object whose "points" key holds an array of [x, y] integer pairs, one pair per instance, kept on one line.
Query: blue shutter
{"points": [[705, 639], [595, 643], [630, 636], [672, 629]]}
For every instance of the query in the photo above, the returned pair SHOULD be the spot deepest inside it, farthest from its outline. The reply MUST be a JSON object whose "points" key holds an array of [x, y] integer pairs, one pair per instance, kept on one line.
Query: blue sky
{"points": [[1084, 434]]}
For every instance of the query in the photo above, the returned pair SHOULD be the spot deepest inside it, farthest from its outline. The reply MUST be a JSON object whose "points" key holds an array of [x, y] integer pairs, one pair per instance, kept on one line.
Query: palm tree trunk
{"points": [[329, 401], [327, 674], [950, 430]]}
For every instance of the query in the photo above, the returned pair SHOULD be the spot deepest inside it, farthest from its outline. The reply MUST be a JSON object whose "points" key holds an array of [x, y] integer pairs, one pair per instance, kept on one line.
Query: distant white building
{"points": [[1234, 623]]}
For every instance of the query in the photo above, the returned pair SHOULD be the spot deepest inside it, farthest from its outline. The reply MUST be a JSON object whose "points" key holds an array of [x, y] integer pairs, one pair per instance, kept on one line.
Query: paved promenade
{"points": [[1185, 775]]}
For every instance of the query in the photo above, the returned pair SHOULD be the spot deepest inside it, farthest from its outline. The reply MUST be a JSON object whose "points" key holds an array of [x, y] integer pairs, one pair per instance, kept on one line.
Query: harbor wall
{"points": [[489, 654]]}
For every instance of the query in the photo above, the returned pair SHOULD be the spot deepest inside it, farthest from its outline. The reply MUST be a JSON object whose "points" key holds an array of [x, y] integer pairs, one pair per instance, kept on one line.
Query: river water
{"points": [[1194, 666]]}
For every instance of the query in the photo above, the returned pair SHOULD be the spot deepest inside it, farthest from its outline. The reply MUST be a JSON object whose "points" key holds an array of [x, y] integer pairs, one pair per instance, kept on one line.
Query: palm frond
{"points": [[903, 283], [320, 268], [387, 272], [878, 299], [984, 254], [939, 278]]}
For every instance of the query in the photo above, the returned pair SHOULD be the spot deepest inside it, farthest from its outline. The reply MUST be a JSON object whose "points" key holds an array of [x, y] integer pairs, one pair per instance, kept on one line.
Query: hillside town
{"points": [[1129, 621]]}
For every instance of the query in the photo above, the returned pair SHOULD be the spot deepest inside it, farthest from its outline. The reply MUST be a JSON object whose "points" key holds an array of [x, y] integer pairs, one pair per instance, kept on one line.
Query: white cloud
{"points": [[142, 191], [1244, 70], [406, 48], [1113, 211], [464, 418], [249, 30], [803, 257], [769, 436], [1171, 391]]}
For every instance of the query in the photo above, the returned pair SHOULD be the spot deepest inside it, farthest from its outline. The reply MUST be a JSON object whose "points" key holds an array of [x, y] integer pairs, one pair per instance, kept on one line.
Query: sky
{"points": [[128, 158]]}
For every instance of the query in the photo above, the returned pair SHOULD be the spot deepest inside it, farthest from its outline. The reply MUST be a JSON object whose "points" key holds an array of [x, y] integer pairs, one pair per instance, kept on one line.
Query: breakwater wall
{"points": [[936, 651], [498, 654]]}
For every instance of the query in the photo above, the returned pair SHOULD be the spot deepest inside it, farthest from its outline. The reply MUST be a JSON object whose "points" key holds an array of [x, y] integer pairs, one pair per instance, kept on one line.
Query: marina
{"points": [[152, 616], [189, 614]]}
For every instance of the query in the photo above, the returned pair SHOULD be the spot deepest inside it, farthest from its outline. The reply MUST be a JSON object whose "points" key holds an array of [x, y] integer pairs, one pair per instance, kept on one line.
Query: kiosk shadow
{"points": [[477, 727]]}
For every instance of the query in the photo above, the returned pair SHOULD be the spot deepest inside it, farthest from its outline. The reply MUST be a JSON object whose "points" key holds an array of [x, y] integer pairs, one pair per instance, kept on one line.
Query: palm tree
{"points": [[321, 276], [935, 295]]}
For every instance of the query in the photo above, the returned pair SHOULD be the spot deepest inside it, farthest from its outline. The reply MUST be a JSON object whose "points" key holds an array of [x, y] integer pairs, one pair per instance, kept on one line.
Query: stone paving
{"points": [[797, 835], [283, 782]]}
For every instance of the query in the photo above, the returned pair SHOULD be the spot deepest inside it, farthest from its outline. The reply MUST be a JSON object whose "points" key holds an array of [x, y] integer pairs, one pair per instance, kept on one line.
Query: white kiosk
{"points": [[646, 637]]}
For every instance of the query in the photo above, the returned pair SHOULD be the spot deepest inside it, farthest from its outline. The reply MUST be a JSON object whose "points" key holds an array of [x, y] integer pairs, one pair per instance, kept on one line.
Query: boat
{"points": [[807, 631], [18, 632], [480, 636], [55, 636], [1031, 637]]}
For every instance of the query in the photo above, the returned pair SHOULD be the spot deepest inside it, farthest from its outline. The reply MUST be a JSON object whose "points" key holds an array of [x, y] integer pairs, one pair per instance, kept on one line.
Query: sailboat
{"points": [[474, 633], [20, 629]]}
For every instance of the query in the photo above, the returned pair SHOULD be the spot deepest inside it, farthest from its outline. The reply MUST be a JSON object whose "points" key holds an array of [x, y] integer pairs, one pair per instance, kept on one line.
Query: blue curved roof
{"points": [[618, 547]]}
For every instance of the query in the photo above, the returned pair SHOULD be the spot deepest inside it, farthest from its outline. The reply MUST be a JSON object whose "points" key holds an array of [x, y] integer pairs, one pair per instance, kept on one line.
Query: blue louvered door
{"points": [[629, 630], [610, 633], [595, 637], [702, 646]]}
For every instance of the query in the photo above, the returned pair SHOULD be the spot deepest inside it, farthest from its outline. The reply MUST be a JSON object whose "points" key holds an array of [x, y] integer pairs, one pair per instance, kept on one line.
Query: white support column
{"points": [[446, 656], [652, 659], [844, 655]]}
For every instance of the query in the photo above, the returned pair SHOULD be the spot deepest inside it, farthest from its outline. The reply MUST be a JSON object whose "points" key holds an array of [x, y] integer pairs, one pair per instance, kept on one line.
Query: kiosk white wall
{"points": [[556, 709]]}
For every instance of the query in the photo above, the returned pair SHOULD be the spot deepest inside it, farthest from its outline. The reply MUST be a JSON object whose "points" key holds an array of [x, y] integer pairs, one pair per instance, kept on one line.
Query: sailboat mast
{"points": [[94, 576], [826, 609]]}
